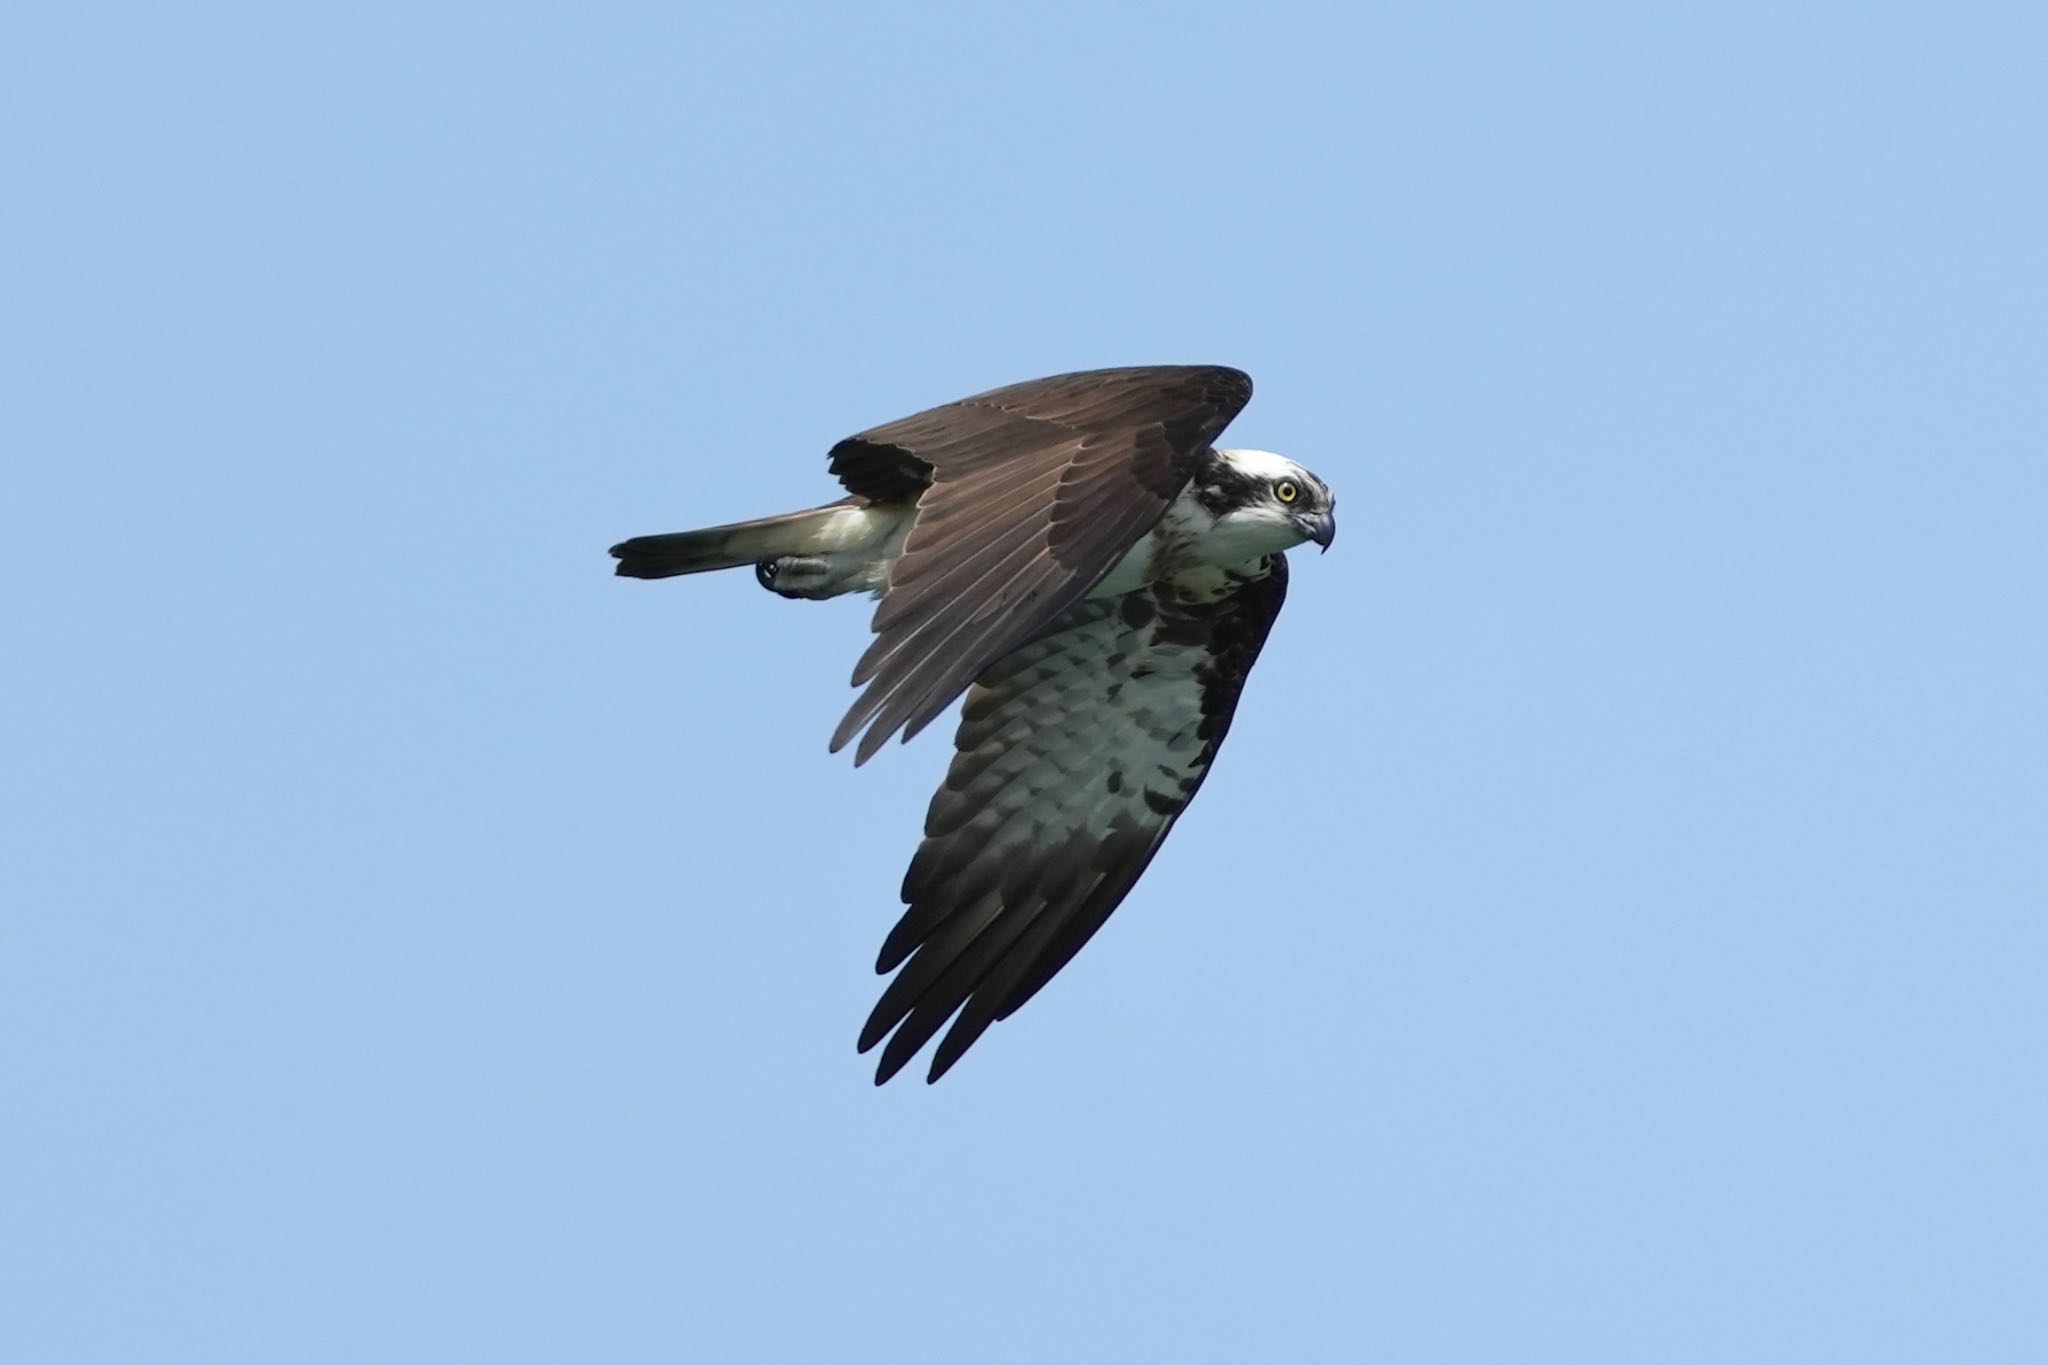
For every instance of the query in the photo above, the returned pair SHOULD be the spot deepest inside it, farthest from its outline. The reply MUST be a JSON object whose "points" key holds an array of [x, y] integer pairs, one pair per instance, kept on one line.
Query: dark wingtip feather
{"points": [[887, 1067], [877, 1027], [871, 743], [903, 1044], [890, 1063], [966, 1031]]}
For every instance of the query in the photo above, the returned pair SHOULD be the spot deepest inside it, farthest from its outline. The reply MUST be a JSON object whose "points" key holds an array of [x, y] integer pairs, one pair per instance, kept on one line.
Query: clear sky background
{"points": [[1613, 933]]}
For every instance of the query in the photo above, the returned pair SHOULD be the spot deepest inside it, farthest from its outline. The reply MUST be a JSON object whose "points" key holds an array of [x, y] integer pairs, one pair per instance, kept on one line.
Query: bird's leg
{"points": [[796, 576]]}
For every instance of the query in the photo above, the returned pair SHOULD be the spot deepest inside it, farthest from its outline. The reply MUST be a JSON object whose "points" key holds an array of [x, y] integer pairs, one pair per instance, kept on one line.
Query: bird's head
{"points": [[1265, 502]]}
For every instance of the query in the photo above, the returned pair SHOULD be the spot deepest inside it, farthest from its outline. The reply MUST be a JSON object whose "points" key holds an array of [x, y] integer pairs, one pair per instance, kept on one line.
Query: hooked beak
{"points": [[1321, 527]]}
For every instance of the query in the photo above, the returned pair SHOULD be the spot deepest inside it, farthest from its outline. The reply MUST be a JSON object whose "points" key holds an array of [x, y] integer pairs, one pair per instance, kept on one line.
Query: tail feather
{"points": [[724, 547]]}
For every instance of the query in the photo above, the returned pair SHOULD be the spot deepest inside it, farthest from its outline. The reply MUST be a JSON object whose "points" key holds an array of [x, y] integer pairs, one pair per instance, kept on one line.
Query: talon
{"points": [[793, 575]]}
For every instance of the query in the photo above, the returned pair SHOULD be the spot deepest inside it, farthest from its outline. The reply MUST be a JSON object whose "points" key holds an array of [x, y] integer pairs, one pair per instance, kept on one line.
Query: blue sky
{"points": [[1614, 931]]}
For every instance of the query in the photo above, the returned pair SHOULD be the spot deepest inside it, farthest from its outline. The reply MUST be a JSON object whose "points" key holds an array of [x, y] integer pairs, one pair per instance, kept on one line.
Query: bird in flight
{"points": [[1075, 556]]}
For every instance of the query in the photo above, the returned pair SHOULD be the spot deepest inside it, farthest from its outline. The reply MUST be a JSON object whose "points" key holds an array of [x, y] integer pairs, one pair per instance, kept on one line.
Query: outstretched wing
{"points": [[1026, 496], [1075, 756]]}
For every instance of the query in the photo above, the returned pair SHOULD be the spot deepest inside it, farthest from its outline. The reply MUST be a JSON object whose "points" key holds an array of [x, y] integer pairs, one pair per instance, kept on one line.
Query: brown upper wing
{"points": [[1076, 754], [1026, 496]]}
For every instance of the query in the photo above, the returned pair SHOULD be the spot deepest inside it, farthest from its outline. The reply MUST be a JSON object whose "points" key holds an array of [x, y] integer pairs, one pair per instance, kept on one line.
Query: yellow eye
{"points": [[1286, 490]]}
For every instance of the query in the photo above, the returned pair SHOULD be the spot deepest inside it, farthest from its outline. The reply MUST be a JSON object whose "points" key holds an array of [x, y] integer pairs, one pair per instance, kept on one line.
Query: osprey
{"points": [[1075, 556]]}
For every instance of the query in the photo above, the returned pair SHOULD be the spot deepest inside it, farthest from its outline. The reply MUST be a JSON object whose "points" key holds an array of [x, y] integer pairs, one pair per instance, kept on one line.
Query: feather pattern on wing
{"points": [[1026, 496], [1075, 755]]}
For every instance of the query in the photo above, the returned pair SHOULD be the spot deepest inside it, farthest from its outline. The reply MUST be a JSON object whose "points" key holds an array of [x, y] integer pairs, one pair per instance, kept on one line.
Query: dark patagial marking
{"points": [[878, 471]]}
